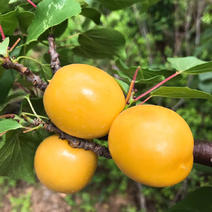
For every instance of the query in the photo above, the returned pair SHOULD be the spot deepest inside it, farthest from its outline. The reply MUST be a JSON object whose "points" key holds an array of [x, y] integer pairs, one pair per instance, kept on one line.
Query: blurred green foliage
{"points": [[21, 203]]}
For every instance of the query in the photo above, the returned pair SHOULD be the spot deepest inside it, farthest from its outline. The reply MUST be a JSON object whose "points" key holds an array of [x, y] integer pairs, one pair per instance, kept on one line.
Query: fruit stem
{"points": [[32, 3], [15, 44], [30, 114], [2, 32], [32, 108], [145, 100], [156, 86], [132, 84], [32, 129], [28, 58]]}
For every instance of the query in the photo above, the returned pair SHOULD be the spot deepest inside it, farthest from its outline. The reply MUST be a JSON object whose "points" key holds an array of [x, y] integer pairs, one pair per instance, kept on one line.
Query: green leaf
{"points": [[184, 63], [25, 19], [202, 68], [4, 47], [190, 65], [4, 6], [57, 31], [203, 168], [50, 13], [15, 1], [17, 154], [14, 96], [6, 82], [92, 14], [205, 86], [123, 85], [8, 124], [121, 65], [196, 201], [100, 43], [146, 4], [181, 92], [151, 80], [47, 72], [117, 4], [9, 22], [144, 76], [205, 76], [37, 104], [205, 82]]}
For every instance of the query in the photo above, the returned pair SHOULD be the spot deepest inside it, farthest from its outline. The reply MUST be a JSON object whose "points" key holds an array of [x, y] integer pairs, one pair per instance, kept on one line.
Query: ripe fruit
{"points": [[63, 168], [152, 145], [83, 100]]}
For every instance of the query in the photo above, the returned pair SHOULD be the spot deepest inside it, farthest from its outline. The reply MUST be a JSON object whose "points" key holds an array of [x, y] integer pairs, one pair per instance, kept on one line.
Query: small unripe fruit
{"points": [[62, 168], [83, 100], [152, 145]]}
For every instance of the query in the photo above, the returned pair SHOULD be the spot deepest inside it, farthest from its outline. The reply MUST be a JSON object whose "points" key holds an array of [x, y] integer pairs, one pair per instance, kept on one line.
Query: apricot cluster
{"points": [[151, 144]]}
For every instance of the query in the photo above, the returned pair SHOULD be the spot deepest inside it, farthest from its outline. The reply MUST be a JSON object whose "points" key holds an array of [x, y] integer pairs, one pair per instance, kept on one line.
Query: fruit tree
{"points": [[73, 92]]}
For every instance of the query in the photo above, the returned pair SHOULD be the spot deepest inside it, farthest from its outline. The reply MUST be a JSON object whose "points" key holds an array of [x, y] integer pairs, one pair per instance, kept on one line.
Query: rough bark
{"points": [[30, 76], [55, 62]]}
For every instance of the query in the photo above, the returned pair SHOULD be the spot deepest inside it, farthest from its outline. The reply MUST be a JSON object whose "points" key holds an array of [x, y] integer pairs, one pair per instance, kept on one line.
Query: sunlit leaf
{"points": [[4, 47], [181, 92], [123, 85], [50, 13], [190, 65], [202, 68], [8, 124]]}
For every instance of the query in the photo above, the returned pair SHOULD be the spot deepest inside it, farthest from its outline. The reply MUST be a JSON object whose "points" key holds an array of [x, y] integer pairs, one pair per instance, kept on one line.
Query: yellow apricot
{"points": [[62, 168], [83, 100], [152, 145]]}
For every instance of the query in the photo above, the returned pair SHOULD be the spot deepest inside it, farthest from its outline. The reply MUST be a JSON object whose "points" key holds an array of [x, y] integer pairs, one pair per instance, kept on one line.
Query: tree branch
{"points": [[203, 153], [140, 198], [30, 76], [202, 150], [55, 62], [78, 142]]}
